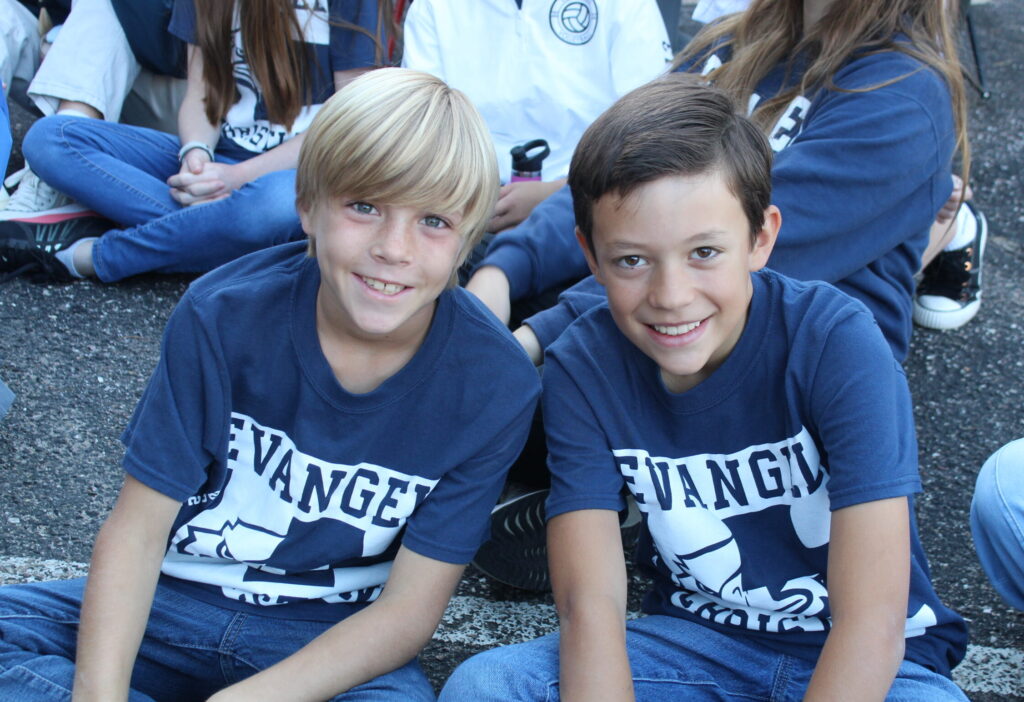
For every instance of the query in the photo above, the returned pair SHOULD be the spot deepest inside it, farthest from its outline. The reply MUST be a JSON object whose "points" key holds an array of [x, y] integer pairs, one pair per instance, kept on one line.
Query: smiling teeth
{"points": [[676, 330], [381, 286]]}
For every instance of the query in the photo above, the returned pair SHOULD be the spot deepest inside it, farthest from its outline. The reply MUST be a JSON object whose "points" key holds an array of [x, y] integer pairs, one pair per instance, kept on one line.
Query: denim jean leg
{"points": [[118, 170], [253, 643], [407, 683], [201, 237], [38, 630], [915, 683], [997, 521], [526, 672], [673, 658]]}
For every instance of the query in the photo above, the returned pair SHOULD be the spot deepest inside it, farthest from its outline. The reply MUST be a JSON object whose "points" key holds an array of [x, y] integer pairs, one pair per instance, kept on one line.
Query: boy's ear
{"points": [[306, 218], [588, 254], [764, 241]]}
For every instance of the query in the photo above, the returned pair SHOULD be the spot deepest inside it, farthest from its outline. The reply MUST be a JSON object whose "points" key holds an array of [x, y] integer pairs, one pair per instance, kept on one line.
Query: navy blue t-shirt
{"points": [[246, 131], [737, 477], [296, 493]]}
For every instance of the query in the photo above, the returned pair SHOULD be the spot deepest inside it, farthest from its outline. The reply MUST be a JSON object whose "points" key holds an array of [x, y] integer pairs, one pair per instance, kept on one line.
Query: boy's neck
{"points": [[361, 365]]}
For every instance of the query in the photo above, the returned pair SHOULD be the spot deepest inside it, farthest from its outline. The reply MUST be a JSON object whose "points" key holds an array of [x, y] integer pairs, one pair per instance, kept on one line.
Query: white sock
{"points": [[72, 112], [67, 256], [966, 225]]}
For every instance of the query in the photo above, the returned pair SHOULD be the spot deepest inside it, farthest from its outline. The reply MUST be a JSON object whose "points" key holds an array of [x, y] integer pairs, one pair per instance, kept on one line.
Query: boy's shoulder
{"points": [[254, 272], [477, 334], [258, 278]]}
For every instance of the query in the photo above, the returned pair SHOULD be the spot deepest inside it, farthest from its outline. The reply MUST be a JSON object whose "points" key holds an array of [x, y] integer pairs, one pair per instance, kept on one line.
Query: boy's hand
{"points": [[517, 200]]}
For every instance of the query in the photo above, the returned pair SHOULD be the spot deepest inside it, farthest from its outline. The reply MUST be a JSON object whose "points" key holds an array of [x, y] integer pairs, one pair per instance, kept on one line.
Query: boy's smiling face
{"points": [[382, 266], [675, 256]]}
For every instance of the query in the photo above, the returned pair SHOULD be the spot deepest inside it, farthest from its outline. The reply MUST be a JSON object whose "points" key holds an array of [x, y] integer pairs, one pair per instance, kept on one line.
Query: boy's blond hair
{"points": [[406, 138]]}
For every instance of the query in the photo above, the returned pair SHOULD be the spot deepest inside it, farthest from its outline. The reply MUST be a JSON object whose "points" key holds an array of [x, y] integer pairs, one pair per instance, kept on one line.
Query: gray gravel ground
{"points": [[78, 357]]}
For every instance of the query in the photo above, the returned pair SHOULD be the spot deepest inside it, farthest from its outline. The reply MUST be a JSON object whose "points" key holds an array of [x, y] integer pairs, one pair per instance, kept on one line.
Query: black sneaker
{"points": [[517, 552], [949, 294], [28, 244]]}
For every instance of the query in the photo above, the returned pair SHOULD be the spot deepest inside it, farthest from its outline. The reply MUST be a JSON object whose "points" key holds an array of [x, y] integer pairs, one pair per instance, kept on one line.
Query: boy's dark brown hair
{"points": [[677, 125]]}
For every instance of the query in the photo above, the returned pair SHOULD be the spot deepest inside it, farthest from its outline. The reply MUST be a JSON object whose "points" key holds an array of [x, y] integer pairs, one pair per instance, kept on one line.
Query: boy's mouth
{"points": [[382, 286], [676, 329]]}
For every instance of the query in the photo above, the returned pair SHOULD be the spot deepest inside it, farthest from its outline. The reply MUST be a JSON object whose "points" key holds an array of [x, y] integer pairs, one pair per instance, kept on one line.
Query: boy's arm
{"points": [[868, 586], [122, 578], [374, 641], [588, 576]]}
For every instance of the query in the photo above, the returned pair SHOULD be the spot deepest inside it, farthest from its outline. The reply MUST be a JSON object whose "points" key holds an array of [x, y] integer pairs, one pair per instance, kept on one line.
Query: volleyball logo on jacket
{"points": [[574, 21]]}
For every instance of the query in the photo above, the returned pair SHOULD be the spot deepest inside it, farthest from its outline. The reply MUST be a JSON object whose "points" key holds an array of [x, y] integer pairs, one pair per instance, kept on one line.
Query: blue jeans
{"points": [[997, 521], [191, 649], [120, 171], [671, 659]]}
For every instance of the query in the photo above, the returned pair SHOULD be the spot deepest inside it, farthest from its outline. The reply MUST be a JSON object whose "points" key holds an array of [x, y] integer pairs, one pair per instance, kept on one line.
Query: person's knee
{"points": [[266, 209], [997, 520], [46, 143], [40, 138], [503, 674], [998, 501]]}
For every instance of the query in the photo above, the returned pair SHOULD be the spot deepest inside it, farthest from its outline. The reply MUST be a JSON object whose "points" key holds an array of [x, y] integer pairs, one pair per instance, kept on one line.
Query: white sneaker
{"points": [[34, 197]]}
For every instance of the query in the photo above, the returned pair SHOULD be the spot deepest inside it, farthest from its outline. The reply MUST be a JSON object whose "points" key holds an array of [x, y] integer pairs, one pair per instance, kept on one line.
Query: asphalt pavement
{"points": [[78, 356]]}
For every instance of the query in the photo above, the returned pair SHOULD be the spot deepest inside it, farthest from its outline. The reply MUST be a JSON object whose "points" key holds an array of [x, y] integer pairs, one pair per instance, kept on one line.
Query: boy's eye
{"points": [[704, 252], [363, 207], [435, 222], [632, 261]]}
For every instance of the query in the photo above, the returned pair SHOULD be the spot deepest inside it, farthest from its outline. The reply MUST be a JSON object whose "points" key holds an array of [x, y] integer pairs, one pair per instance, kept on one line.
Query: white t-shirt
{"points": [[543, 71]]}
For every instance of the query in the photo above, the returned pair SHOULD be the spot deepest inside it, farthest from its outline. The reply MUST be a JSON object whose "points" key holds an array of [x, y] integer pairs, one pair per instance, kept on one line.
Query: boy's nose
{"points": [[670, 288], [395, 243]]}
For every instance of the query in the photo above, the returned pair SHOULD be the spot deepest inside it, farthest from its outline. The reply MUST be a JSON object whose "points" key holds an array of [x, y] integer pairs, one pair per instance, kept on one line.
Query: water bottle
{"points": [[527, 159]]}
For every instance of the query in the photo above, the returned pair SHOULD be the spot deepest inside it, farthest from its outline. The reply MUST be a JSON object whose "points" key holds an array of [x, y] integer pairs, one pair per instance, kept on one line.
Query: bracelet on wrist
{"points": [[194, 145]]}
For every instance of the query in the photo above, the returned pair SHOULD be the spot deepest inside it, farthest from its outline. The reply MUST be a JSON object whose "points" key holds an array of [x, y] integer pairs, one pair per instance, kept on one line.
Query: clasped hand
{"points": [[201, 180]]}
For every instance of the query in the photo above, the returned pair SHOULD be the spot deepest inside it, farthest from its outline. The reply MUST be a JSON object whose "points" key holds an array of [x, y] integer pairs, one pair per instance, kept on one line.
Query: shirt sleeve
{"points": [[863, 415], [867, 173], [351, 48], [541, 252], [183, 21], [583, 470], [549, 324], [178, 428], [453, 520]]}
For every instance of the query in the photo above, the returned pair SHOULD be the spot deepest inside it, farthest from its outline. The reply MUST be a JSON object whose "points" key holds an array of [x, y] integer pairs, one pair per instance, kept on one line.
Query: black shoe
{"points": [[517, 552], [949, 294], [28, 245]]}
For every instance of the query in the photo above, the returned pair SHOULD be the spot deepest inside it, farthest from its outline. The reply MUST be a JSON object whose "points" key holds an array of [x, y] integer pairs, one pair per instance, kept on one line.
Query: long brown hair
{"points": [[277, 58], [771, 31]]}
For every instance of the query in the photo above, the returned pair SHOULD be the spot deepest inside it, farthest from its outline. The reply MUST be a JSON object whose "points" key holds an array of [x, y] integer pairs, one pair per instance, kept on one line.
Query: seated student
{"points": [[997, 521], [761, 424], [863, 104], [317, 452], [537, 70], [251, 93], [91, 70]]}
